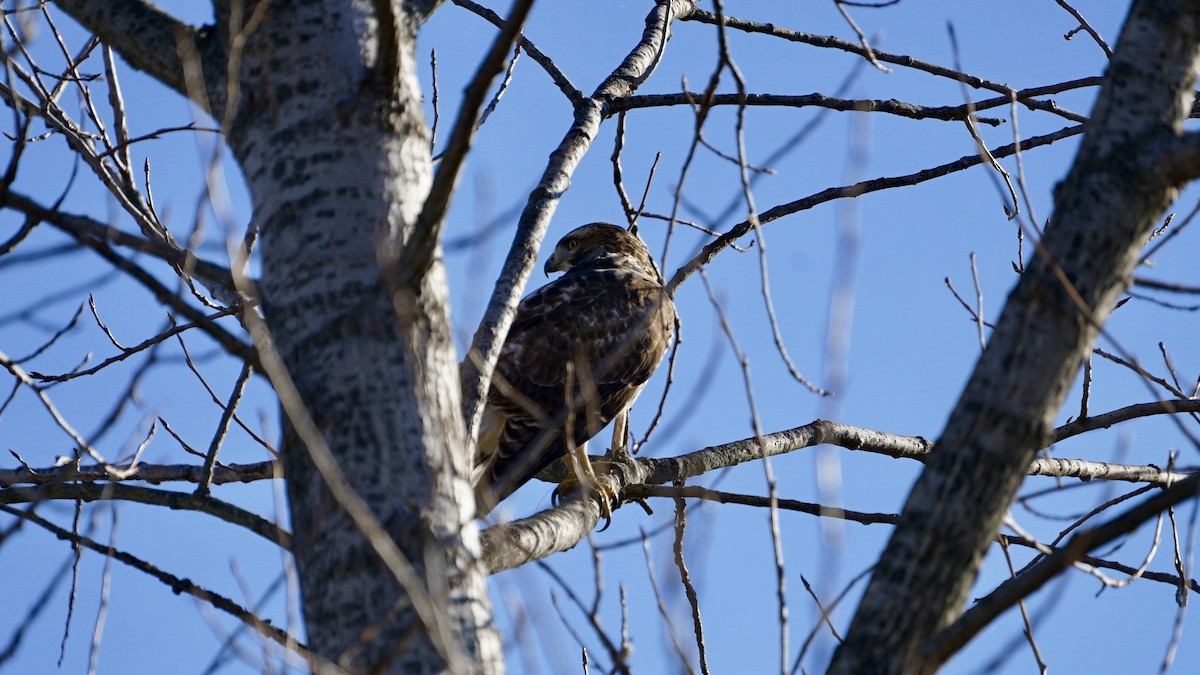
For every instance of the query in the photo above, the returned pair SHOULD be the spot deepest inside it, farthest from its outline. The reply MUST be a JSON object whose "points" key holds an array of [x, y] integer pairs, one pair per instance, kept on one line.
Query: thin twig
{"points": [[130, 351], [176, 501], [508, 73], [829, 42], [1028, 631], [247, 368], [210, 459], [862, 38], [978, 303], [573, 94], [720, 497], [592, 616], [1086, 27], [105, 588], [672, 633], [686, 579], [772, 494]]}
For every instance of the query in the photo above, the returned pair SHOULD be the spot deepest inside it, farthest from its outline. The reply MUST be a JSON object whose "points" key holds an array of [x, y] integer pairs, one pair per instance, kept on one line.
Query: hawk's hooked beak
{"points": [[553, 264]]}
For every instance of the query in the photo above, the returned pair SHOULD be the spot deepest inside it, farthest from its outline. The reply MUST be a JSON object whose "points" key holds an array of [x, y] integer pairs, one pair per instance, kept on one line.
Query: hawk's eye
{"points": [[571, 244]]}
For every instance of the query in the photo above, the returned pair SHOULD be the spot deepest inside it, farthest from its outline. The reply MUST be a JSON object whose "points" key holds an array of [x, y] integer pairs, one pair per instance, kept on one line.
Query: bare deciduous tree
{"points": [[334, 296]]}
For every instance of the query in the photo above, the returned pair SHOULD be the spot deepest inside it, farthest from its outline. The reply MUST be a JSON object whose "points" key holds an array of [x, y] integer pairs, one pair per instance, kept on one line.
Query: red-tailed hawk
{"points": [[579, 351]]}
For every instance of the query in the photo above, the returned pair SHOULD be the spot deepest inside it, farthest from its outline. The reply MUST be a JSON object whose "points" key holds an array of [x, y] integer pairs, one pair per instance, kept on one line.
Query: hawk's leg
{"points": [[619, 450], [581, 473]]}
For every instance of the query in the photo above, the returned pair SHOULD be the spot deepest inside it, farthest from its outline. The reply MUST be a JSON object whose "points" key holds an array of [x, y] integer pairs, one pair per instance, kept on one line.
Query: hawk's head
{"points": [[598, 245]]}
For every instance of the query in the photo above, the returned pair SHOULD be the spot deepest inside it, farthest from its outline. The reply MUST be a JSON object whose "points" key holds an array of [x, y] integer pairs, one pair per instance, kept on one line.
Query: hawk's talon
{"points": [[584, 478]]}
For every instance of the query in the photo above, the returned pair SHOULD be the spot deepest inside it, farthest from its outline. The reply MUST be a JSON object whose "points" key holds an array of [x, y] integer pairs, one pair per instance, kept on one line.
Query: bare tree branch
{"points": [[148, 473], [177, 585], [510, 545], [981, 613], [891, 106], [830, 42], [127, 352], [1083, 24], [722, 497], [148, 38], [513, 544], [573, 94], [176, 501], [1108, 419], [714, 247]]}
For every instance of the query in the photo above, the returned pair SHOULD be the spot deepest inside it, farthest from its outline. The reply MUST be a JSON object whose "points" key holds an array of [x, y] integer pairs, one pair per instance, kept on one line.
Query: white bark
{"points": [[332, 143], [323, 114], [1125, 175]]}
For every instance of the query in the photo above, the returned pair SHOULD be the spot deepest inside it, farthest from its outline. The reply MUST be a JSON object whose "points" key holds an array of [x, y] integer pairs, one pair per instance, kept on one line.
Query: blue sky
{"points": [[910, 349]]}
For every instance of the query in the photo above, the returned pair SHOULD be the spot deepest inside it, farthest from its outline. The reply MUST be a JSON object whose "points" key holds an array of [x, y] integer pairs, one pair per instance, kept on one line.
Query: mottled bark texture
{"points": [[326, 123], [1125, 175], [333, 145]]}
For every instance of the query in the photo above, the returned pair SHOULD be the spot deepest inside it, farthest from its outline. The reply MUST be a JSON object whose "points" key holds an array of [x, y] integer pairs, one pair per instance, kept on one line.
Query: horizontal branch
{"points": [[670, 469], [696, 492], [659, 471], [830, 42], [667, 470], [177, 501], [1159, 577], [720, 497], [1166, 286], [1026, 95], [890, 106], [1108, 419], [147, 473], [513, 544], [1084, 470]]}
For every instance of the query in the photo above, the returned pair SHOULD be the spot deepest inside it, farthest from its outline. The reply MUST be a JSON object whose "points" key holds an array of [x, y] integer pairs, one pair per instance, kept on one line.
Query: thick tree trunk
{"points": [[333, 145], [324, 116], [1126, 173]]}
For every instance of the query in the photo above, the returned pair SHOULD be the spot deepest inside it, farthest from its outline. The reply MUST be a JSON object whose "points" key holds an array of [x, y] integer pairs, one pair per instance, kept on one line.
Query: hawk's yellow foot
{"points": [[581, 474]]}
